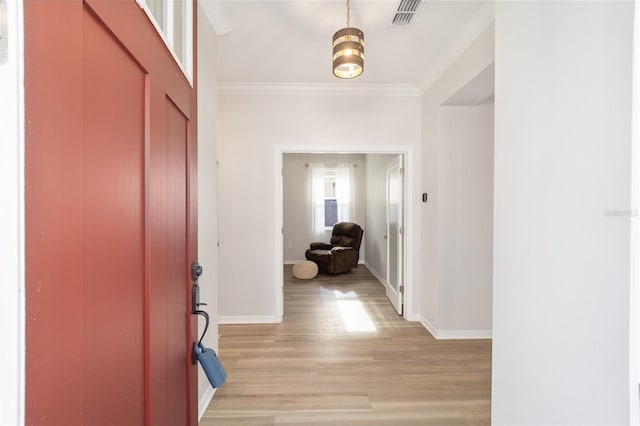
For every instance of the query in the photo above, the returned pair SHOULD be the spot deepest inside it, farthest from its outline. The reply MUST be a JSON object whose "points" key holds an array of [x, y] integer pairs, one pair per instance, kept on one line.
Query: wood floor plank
{"points": [[342, 356]]}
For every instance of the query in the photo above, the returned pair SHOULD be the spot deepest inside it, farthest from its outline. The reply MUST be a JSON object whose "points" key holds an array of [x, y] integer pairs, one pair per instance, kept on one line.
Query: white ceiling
{"points": [[289, 41]]}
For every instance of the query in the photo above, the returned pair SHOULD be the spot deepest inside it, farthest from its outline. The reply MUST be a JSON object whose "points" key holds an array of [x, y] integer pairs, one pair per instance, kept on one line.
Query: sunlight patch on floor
{"points": [[355, 317], [342, 295]]}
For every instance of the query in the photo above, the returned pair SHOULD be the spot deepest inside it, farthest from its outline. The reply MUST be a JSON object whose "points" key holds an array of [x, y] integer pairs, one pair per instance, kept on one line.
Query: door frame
{"points": [[12, 300], [410, 221]]}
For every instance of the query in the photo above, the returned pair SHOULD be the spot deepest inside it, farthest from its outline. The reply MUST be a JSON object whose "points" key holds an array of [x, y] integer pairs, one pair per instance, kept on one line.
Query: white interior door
{"points": [[395, 233]]}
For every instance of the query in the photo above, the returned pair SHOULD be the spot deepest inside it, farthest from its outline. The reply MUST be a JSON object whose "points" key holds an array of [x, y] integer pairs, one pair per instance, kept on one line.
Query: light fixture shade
{"points": [[348, 53]]}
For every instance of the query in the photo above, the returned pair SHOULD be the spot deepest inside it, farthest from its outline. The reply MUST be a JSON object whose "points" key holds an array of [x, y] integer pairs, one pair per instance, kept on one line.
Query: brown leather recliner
{"points": [[342, 254]]}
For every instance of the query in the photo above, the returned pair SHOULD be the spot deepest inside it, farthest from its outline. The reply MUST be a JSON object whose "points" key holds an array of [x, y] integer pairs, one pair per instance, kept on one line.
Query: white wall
{"points": [[295, 195], [561, 254], [634, 320], [12, 219], [446, 308], [252, 128], [376, 221], [207, 193], [465, 192]]}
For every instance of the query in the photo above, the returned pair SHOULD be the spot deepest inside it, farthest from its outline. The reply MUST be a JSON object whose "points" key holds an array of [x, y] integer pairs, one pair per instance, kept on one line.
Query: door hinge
{"points": [[401, 171], [402, 289], [402, 230]]}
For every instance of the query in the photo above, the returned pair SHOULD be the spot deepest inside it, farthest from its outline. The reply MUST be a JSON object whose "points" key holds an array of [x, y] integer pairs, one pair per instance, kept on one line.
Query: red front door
{"points": [[110, 219]]}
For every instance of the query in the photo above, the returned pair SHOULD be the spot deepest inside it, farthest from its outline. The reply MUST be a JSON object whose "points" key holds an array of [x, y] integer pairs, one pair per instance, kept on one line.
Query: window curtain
{"points": [[316, 201], [345, 192]]}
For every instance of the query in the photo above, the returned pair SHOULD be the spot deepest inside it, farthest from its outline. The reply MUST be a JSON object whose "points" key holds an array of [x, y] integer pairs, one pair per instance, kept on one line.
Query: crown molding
{"points": [[485, 16], [324, 89]]}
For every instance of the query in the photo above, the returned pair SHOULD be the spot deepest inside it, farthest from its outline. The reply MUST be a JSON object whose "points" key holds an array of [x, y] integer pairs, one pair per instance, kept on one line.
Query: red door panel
{"points": [[113, 133], [54, 276], [168, 195], [176, 193], [110, 219]]}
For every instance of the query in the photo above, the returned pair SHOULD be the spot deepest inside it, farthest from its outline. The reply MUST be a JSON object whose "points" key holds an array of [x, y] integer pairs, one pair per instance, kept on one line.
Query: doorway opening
{"points": [[370, 199]]}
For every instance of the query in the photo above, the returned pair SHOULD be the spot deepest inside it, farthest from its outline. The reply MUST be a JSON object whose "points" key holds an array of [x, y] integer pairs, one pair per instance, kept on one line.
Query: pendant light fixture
{"points": [[348, 50]]}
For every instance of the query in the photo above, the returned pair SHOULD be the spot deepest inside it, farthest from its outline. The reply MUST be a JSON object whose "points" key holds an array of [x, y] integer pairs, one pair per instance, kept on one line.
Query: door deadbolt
{"points": [[196, 271]]}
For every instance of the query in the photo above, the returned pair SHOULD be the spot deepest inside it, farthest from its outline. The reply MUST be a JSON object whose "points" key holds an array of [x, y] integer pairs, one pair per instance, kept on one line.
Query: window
{"points": [[173, 20], [330, 212], [330, 200], [330, 197]]}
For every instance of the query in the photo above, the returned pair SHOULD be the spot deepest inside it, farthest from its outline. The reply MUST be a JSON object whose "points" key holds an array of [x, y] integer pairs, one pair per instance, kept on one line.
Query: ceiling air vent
{"points": [[405, 13]]}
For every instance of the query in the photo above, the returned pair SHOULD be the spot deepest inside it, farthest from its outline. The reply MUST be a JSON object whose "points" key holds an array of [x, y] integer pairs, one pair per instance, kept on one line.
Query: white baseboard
{"points": [[430, 328], [249, 319], [464, 334], [205, 400], [376, 274], [455, 334]]}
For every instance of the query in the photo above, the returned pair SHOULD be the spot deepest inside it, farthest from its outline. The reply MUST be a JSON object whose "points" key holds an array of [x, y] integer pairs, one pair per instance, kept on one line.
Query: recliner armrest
{"points": [[338, 248], [320, 246]]}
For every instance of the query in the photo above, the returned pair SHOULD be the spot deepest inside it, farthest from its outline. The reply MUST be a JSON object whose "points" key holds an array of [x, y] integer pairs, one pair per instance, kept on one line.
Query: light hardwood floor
{"points": [[311, 370]]}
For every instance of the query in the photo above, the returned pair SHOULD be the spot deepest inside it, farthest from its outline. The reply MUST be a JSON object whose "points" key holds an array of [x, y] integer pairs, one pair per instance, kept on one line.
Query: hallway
{"points": [[342, 356]]}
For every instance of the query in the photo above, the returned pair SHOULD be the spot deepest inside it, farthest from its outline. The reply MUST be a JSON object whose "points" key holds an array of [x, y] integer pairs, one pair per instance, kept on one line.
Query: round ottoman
{"points": [[305, 270]]}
